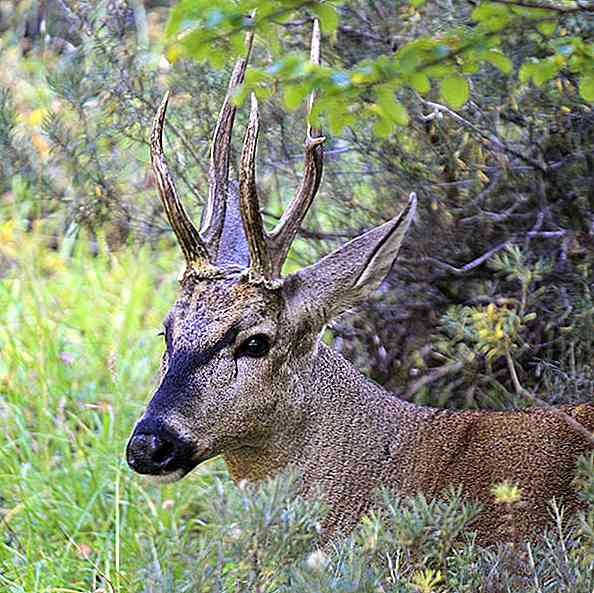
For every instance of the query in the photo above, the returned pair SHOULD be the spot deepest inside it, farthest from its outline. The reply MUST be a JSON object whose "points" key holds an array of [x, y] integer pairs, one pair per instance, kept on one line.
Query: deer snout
{"points": [[156, 451]]}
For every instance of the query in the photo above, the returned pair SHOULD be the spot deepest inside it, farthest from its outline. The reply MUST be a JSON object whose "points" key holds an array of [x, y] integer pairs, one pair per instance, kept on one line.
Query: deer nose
{"points": [[156, 453], [148, 453]]}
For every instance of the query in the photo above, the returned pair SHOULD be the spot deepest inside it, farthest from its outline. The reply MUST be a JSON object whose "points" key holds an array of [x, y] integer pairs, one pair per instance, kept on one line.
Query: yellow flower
{"points": [[7, 231], [427, 580], [53, 262], [506, 493], [36, 117]]}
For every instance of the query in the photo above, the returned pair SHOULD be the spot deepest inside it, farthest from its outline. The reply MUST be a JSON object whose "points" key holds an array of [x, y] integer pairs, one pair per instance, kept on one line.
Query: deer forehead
{"points": [[207, 310]]}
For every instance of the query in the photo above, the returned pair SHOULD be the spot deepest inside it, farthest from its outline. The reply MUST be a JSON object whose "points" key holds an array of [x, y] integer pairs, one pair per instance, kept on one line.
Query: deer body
{"points": [[354, 437], [245, 374]]}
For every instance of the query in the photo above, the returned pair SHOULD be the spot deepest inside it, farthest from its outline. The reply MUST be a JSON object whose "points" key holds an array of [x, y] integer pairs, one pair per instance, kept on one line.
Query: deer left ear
{"points": [[348, 275]]}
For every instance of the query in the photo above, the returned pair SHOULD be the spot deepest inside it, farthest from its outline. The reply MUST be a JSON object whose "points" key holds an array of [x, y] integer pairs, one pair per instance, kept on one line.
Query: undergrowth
{"points": [[79, 357]]}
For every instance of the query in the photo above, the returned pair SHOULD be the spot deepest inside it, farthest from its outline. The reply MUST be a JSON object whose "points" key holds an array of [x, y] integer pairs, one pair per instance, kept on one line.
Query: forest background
{"points": [[484, 109]]}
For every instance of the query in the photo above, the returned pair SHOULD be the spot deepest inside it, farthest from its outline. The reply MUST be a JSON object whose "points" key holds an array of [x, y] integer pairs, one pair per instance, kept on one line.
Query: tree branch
{"points": [[564, 10], [490, 138], [573, 423]]}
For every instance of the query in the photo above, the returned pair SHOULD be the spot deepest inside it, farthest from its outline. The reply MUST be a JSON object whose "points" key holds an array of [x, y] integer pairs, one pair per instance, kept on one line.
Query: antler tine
{"points": [[218, 173], [260, 262], [194, 249], [286, 230]]}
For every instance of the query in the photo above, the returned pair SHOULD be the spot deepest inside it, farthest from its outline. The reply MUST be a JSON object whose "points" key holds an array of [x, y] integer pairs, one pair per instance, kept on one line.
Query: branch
{"points": [[564, 10], [572, 422], [470, 265], [433, 376], [490, 138]]}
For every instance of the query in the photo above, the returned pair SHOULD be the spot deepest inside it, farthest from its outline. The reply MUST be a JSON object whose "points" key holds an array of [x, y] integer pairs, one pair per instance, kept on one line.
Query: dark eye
{"points": [[255, 346]]}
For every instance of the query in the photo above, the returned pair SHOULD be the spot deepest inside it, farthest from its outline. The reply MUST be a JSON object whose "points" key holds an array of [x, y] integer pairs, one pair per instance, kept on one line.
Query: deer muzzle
{"points": [[155, 450]]}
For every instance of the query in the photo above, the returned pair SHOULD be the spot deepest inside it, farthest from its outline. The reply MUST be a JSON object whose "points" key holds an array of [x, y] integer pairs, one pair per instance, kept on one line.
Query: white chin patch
{"points": [[174, 476]]}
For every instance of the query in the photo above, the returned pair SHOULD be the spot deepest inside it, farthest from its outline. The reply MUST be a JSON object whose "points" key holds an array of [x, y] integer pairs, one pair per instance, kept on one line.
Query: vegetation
{"points": [[491, 304], [443, 61], [79, 354]]}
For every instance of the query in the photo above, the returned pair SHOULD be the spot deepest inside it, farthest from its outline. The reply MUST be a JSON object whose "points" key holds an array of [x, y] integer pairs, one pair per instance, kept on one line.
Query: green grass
{"points": [[79, 356]]}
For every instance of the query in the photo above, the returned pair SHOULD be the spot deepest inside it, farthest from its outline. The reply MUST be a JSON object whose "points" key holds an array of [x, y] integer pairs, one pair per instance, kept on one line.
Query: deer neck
{"points": [[334, 422]]}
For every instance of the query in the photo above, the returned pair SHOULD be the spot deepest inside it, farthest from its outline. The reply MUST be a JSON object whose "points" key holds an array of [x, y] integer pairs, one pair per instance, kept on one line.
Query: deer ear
{"points": [[348, 275], [233, 247]]}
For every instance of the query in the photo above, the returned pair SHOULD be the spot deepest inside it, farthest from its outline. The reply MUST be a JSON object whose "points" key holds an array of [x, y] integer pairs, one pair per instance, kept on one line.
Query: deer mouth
{"points": [[202, 456], [189, 466], [162, 455], [172, 476], [178, 469]]}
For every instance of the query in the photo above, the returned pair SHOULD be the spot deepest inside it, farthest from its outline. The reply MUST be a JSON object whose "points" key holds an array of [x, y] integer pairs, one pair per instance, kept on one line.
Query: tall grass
{"points": [[78, 357]]}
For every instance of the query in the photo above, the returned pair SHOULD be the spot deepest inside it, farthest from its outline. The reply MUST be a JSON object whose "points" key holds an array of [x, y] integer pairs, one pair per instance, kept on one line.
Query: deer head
{"points": [[240, 338]]}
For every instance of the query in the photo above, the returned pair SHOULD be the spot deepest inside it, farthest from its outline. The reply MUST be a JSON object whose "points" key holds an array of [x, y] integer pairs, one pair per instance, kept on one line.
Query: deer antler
{"points": [[213, 214], [194, 249], [285, 231], [257, 240], [268, 252]]}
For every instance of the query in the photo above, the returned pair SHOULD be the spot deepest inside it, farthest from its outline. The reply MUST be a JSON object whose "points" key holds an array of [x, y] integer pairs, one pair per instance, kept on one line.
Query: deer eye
{"points": [[255, 346]]}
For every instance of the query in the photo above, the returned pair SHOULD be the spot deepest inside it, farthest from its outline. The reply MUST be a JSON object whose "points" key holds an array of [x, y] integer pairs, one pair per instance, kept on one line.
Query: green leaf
{"points": [[263, 92], [388, 107], [439, 70], [399, 114], [382, 127], [336, 120], [547, 28], [491, 16], [237, 42], [500, 61], [586, 87], [526, 72], [217, 58], [420, 82], [470, 68], [544, 71], [395, 111], [531, 12], [455, 90], [293, 95], [240, 94], [417, 3], [292, 65], [327, 15]]}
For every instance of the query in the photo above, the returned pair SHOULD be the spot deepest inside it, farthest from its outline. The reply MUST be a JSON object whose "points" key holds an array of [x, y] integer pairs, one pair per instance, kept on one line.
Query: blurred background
{"points": [[495, 278]]}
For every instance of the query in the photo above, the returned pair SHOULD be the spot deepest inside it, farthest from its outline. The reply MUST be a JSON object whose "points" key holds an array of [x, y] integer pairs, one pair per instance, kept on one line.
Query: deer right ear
{"points": [[348, 275]]}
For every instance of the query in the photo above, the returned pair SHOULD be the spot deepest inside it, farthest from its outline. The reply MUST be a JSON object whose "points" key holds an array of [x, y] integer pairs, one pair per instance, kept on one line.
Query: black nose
{"points": [[156, 452]]}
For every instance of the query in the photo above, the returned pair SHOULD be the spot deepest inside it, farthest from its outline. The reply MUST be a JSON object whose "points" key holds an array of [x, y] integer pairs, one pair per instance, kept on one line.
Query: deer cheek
{"points": [[222, 373]]}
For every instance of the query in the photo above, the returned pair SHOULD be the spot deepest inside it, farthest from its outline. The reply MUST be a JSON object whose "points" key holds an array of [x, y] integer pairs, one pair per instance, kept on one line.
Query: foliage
{"points": [[75, 518], [86, 158], [367, 90]]}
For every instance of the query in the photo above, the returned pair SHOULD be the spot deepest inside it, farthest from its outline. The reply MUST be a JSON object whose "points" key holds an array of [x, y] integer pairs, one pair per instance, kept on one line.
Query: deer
{"points": [[245, 374]]}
